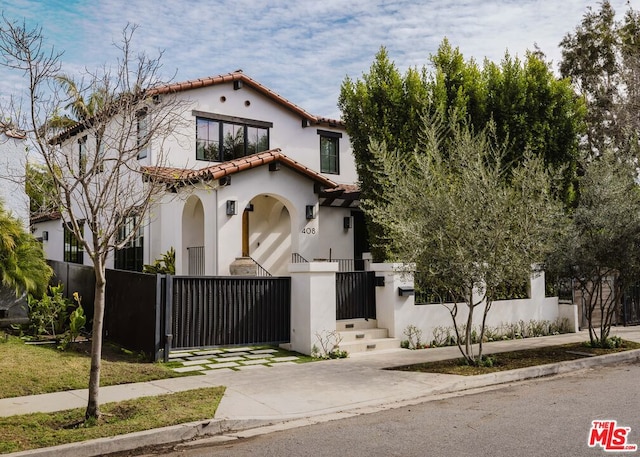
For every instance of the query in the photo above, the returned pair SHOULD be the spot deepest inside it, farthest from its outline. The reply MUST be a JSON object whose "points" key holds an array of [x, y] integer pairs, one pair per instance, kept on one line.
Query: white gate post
{"points": [[313, 303], [395, 296]]}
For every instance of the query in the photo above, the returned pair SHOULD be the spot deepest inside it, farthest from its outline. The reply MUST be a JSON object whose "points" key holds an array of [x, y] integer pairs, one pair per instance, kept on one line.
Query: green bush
{"points": [[55, 316], [48, 315]]}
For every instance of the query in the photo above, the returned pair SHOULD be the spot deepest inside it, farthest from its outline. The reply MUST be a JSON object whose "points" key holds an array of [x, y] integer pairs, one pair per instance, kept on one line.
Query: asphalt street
{"points": [[541, 417]]}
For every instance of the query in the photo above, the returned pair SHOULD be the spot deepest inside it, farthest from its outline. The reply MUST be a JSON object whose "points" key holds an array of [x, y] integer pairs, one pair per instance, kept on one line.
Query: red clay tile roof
{"points": [[52, 216], [240, 76], [185, 176], [210, 81]]}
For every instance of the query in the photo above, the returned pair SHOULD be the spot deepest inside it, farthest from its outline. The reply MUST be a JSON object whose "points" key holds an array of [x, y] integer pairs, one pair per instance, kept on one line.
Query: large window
{"points": [[73, 250], [329, 151], [225, 138], [129, 257]]}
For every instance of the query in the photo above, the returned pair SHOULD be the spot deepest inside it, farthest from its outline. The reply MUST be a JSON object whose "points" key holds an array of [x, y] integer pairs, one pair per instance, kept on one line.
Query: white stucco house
{"points": [[254, 184], [12, 174], [254, 176]]}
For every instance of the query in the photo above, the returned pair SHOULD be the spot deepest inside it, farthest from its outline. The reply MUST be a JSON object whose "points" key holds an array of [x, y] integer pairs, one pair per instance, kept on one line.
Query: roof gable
{"points": [[238, 77], [181, 177]]}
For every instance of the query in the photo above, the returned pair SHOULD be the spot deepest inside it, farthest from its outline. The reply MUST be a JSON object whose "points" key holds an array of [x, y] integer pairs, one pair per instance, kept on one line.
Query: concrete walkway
{"points": [[277, 394]]}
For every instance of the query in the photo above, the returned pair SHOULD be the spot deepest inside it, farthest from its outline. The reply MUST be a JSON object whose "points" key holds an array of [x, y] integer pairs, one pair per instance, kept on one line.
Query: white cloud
{"points": [[304, 49]]}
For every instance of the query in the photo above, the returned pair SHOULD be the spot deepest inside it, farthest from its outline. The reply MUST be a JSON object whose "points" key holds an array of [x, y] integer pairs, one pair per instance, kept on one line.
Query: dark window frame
{"points": [[73, 251], [334, 159], [100, 155], [82, 155], [142, 134], [131, 256], [222, 121]]}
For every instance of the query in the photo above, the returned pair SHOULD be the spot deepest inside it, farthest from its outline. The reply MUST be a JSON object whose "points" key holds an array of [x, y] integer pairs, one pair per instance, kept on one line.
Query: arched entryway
{"points": [[266, 233], [193, 261]]}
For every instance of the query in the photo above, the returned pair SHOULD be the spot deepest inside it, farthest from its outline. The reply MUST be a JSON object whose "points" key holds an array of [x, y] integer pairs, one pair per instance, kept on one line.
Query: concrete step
{"points": [[356, 324], [363, 334], [377, 344]]}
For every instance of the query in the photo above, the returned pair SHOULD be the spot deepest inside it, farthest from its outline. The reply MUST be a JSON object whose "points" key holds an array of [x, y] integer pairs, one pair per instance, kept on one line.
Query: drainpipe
{"points": [[216, 246]]}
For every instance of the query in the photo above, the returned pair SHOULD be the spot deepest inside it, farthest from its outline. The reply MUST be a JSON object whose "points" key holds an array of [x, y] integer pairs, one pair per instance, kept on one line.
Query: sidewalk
{"points": [[272, 395]]}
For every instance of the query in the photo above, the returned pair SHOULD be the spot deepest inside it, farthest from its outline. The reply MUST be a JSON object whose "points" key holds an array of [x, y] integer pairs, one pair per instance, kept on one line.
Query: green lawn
{"points": [[32, 431], [29, 369]]}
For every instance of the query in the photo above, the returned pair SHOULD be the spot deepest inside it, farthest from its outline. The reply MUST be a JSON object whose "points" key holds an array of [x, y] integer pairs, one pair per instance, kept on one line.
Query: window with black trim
{"points": [[329, 151], [221, 138], [142, 134], [82, 156], [100, 152], [129, 257], [73, 250]]}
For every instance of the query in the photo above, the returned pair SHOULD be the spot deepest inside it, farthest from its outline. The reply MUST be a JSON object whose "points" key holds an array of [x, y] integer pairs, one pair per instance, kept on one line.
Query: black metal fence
{"points": [[630, 314], [75, 278], [223, 311], [133, 310], [356, 295], [156, 313], [132, 303]]}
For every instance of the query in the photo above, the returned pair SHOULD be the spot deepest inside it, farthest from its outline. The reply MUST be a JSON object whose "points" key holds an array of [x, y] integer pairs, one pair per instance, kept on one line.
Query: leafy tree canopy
{"points": [[532, 112], [599, 250], [601, 57], [22, 264], [452, 208]]}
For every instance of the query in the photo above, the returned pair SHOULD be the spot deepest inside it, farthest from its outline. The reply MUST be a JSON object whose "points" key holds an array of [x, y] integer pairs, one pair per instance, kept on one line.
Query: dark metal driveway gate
{"points": [[224, 311]]}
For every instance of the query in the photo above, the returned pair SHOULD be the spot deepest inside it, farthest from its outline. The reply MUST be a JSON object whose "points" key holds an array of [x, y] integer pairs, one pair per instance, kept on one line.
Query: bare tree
{"points": [[96, 164]]}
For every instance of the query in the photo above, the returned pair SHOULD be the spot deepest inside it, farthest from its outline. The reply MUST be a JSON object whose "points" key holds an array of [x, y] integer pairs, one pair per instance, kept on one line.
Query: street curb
{"points": [[194, 432]]}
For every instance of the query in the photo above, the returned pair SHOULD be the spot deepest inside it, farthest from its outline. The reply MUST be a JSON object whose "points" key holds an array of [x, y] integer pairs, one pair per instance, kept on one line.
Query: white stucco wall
{"points": [[335, 241], [397, 312], [293, 190], [300, 143], [170, 226], [313, 303], [277, 226], [12, 175], [53, 246]]}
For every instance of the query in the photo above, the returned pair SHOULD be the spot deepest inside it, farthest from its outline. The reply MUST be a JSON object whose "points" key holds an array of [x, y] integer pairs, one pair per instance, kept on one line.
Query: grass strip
{"points": [[512, 360], [32, 431], [38, 369]]}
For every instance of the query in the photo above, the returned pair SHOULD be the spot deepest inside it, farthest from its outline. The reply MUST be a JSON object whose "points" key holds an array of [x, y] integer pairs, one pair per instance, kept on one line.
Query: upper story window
{"points": [[142, 134], [221, 138], [82, 155], [329, 151], [100, 154]]}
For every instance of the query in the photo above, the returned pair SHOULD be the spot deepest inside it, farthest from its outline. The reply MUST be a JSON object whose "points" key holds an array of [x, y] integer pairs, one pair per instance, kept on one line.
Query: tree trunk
{"points": [[93, 406], [487, 307]]}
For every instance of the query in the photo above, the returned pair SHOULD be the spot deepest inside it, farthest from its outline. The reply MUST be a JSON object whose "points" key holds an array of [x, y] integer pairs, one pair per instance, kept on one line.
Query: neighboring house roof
{"points": [[240, 77], [52, 216], [180, 176]]}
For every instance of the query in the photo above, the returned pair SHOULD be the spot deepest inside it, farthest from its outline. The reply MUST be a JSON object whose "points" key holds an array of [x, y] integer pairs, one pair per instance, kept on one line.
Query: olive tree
{"points": [[599, 251], [99, 183], [451, 210]]}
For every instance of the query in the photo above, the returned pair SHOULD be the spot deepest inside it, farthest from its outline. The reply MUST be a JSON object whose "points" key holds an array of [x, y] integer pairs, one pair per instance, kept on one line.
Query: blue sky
{"points": [[301, 49]]}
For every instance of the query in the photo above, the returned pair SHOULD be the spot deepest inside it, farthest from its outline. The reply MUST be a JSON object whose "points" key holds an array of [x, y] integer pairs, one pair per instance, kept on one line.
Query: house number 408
{"points": [[309, 230]]}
